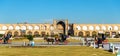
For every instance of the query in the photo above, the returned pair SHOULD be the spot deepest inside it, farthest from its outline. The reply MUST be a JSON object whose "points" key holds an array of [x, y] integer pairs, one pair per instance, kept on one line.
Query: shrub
{"points": [[30, 37], [47, 35], [116, 36], [1, 35], [52, 35], [56, 35]]}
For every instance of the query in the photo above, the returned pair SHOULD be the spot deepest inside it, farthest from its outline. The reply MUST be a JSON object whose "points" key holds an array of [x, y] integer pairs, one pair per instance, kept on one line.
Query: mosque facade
{"points": [[60, 27]]}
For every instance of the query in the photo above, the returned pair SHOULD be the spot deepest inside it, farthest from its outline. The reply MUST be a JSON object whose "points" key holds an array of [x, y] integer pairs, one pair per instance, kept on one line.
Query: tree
{"points": [[1, 35], [30, 37]]}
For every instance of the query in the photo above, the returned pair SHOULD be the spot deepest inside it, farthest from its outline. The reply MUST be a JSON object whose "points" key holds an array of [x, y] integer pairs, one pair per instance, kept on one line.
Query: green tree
{"points": [[30, 37], [1, 35]]}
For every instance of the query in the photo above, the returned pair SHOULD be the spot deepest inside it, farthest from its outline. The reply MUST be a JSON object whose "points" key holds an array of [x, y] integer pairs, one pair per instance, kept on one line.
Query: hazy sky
{"points": [[76, 11]]}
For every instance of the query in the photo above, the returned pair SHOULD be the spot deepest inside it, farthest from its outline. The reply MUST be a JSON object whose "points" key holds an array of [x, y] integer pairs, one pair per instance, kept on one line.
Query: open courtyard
{"points": [[60, 28], [53, 51]]}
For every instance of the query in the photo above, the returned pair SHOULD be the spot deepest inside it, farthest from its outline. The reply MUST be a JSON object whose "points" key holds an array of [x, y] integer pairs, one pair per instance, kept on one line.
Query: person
{"points": [[85, 39], [99, 42], [4, 38], [66, 41], [95, 39], [56, 40], [103, 37], [63, 37], [8, 36]]}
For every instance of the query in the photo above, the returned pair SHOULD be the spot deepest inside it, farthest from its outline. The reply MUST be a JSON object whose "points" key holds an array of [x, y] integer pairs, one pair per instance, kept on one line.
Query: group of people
{"points": [[57, 39], [6, 38], [100, 40], [61, 39]]}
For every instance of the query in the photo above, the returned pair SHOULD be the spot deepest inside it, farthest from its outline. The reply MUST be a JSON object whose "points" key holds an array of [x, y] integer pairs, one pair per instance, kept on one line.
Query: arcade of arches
{"points": [[60, 26]]}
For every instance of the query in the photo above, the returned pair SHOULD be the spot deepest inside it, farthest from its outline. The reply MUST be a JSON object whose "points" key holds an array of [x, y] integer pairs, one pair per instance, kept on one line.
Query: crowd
{"points": [[99, 40], [6, 38]]}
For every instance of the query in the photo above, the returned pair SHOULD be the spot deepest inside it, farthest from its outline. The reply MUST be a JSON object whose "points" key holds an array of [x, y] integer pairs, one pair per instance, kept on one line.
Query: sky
{"points": [[76, 11]]}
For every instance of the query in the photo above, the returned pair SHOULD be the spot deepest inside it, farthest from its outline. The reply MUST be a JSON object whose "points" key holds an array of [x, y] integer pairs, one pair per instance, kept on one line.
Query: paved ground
{"points": [[40, 43], [106, 46]]}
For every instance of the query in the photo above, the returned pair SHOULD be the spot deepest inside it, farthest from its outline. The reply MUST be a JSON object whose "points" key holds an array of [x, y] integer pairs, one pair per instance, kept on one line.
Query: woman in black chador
{"points": [[99, 41]]}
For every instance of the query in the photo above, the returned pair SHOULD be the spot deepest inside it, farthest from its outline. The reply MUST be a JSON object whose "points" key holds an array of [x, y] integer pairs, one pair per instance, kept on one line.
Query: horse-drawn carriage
{"points": [[57, 39]]}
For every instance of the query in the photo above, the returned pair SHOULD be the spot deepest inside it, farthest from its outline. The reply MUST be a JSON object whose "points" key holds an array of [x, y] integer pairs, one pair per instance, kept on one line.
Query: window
{"points": [[91, 28], [78, 28], [10, 27], [109, 27], [84, 27], [51, 28], [30, 27], [103, 28], [36, 27], [23, 27], [115, 27], [17, 28], [4, 28], [97, 28]]}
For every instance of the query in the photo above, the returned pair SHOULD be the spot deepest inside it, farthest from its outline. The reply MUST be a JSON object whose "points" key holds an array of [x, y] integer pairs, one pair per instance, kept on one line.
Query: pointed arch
{"points": [[80, 33], [110, 28], [16, 34], [114, 33], [17, 27], [36, 27], [43, 33], [94, 33], [52, 34], [10, 27], [4, 27], [63, 26], [87, 33], [9, 32], [30, 27], [51, 27], [107, 34], [36, 34], [29, 32]]}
